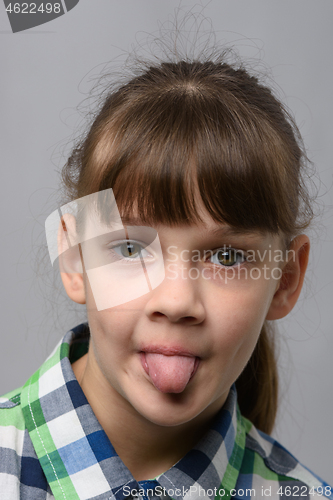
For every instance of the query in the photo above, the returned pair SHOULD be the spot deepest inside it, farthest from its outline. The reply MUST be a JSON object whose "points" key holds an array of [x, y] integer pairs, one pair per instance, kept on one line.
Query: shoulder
{"points": [[274, 469], [22, 442]]}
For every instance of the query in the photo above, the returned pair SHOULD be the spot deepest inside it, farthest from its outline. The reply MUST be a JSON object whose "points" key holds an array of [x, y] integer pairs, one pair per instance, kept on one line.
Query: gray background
{"points": [[46, 72]]}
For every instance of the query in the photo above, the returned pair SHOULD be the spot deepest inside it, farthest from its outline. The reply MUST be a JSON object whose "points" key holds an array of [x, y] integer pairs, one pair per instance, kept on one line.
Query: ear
{"points": [[70, 260], [291, 281]]}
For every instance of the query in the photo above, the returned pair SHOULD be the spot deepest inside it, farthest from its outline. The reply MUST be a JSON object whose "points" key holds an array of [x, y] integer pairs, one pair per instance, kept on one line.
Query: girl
{"points": [[183, 235]]}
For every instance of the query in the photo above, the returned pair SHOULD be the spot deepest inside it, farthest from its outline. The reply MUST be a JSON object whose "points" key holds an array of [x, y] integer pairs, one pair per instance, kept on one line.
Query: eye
{"points": [[228, 257], [130, 250]]}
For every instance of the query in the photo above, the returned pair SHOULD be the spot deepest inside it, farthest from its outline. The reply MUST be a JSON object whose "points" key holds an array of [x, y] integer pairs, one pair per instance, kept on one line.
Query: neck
{"points": [[147, 449]]}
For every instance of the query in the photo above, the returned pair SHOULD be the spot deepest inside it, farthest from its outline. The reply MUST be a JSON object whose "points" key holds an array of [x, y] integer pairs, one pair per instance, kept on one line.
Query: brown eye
{"points": [[228, 257], [130, 249]]}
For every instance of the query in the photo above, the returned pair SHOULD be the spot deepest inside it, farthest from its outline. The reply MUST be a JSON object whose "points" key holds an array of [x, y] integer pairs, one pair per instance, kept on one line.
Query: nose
{"points": [[178, 299]]}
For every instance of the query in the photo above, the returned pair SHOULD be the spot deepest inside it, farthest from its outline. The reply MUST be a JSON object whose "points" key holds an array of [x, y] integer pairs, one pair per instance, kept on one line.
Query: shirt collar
{"points": [[80, 462]]}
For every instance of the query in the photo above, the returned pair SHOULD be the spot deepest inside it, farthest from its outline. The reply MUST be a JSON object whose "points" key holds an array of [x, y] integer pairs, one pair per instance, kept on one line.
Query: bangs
{"points": [[192, 153]]}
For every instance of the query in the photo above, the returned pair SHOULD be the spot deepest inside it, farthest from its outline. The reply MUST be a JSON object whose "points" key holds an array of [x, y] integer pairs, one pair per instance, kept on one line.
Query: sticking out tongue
{"points": [[169, 373]]}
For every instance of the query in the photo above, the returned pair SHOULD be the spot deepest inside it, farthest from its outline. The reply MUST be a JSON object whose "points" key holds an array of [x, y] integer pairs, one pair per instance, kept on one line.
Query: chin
{"points": [[168, 420], [169, 410]]}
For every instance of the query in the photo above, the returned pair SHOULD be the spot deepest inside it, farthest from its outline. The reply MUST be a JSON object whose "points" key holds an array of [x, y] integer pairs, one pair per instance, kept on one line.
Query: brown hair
{"points": [[183, 126]]}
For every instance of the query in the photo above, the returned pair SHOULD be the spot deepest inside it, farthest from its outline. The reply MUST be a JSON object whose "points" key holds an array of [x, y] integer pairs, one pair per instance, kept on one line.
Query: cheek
{"points": [[239, 315], [113, 329], [110, 343], [112, 318]]}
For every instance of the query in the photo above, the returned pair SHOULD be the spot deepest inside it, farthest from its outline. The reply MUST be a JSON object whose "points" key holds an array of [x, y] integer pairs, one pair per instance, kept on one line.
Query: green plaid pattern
{"points": [[53, 447]]}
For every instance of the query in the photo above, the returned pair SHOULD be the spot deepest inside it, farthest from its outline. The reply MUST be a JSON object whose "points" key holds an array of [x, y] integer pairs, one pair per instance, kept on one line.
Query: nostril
{"points": [[158, 314], [181, 319]]}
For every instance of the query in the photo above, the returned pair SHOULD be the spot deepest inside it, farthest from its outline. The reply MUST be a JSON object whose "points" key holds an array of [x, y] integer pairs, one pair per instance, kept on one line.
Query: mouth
{"points": [[169, 369]]}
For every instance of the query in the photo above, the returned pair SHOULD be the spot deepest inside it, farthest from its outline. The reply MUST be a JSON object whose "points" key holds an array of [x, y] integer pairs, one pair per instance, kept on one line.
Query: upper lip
{"points": [[168, 350]]}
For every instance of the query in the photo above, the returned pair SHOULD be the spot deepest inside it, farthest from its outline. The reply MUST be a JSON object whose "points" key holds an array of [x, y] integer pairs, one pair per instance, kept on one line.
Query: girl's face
{"points": [[171, 355]]}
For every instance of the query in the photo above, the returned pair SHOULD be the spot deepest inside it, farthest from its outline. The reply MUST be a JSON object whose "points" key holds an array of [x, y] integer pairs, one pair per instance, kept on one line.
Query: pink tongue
{"points": [[170, 373]]}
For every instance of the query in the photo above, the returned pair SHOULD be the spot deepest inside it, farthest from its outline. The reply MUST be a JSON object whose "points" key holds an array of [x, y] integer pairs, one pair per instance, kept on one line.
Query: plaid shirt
{"points": [[53, 447]]}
